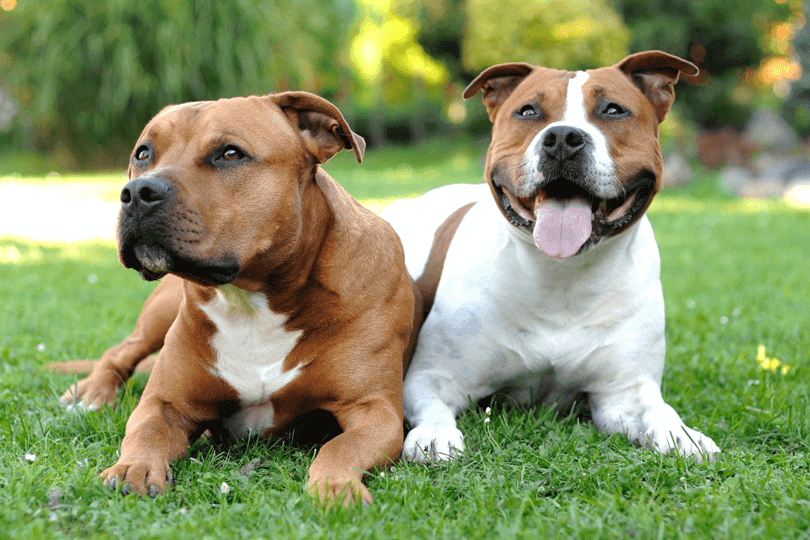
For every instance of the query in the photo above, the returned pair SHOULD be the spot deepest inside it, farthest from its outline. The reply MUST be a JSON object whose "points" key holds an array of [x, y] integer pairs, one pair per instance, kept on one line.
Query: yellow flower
{"points": [[770, 364]]}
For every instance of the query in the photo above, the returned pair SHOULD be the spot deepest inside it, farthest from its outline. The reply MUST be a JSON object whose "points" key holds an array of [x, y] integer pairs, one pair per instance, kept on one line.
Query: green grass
{"points": [[735, 277]]}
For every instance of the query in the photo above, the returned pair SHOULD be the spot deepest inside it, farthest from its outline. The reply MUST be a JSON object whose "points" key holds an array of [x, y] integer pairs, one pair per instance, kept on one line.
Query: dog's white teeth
{"points": [[517, 206], [600, 210]]}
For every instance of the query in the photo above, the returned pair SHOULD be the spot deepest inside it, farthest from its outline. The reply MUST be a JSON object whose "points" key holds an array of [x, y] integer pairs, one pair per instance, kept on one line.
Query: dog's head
{"points": [[214, 185], [575, 156]]}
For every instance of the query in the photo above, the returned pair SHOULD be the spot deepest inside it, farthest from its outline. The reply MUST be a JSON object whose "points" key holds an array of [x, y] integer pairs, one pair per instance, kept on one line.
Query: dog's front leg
{"points": [[157, 433], [638, 411], [372, 437], [434, 435], [171, 412]]}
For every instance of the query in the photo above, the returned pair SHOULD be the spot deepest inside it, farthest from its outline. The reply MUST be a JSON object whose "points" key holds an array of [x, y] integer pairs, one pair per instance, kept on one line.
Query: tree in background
{"points": [[88, 75], [81, 79], [470, 35], [553, 33], [797, 108], [400, 87], [724, 39]]}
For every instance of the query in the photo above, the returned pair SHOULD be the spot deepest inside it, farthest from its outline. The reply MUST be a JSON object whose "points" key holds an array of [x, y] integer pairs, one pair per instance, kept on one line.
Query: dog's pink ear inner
{"points": [[655, 74], [497, 83], [321, 125]]}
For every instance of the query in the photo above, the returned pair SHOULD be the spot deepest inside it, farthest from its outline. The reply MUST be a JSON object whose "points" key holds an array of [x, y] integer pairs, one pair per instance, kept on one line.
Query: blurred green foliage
{"points": [[723, 38], [90, 74], [797, 108], [554, 33], [84, 77]]}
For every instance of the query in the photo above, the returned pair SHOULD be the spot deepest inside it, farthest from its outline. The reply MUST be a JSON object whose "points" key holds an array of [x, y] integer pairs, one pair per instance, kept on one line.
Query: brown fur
{"points": [[333, 268], [428, 282]]}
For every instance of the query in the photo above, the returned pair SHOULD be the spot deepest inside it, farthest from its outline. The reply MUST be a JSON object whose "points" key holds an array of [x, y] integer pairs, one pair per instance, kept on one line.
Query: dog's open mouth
{"points": [[566, 219]]}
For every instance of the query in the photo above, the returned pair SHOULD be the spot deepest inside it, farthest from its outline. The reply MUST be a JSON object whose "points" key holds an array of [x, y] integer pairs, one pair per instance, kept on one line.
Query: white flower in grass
{"points": [[41, 347], [723, 320], [31, 457], [486, 420], [224, 488]]}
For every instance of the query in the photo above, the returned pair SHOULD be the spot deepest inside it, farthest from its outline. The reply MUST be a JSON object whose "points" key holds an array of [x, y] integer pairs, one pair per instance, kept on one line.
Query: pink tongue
{"points": [[562, 226]]}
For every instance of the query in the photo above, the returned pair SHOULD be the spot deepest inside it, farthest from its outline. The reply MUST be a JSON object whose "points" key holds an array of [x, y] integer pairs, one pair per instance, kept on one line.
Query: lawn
{"points": [[735, 277]]}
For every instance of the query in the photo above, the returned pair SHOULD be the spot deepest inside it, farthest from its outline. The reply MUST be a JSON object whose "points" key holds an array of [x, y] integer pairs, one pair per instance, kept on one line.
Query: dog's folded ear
{"points": [[655, 73], [321, 125], [497, 82]]}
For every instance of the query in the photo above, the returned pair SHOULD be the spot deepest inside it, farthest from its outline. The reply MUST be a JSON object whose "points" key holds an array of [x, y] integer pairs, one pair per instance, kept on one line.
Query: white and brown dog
{"points": [[544, 282]]}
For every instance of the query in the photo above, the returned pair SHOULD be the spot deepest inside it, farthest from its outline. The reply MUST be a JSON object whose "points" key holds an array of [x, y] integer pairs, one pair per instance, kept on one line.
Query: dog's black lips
{"points": [[209, 272], [641, 188]]}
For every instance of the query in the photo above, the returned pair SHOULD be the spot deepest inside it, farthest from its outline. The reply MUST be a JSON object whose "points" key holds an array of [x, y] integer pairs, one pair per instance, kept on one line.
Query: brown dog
{"points": [[283, 294]]}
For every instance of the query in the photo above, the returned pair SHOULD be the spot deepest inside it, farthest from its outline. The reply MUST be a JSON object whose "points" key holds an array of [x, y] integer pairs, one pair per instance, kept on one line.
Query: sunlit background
{"points": [[78, 80]]}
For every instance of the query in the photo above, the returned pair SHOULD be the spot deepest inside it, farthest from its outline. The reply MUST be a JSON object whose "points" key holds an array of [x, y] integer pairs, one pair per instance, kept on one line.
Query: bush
{"points": [[723, 39], [90, 74]]}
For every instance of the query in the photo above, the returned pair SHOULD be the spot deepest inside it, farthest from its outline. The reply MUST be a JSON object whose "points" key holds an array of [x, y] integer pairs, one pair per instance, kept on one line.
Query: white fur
{"points": [[416, 230], [508, 318], [603, 174], [251, 344]]}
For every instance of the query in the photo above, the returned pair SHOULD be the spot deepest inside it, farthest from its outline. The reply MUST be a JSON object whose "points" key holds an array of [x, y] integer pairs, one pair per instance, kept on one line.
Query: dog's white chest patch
{"points": [[250, 344]]}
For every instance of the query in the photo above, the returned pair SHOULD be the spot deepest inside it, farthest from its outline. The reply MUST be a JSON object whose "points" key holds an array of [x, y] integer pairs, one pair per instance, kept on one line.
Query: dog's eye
{"points": [[612, 109], [232, 153], [143, 153], [527, 110]]}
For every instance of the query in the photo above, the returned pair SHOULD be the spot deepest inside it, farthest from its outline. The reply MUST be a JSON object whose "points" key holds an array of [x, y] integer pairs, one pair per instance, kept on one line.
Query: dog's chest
{"points": [[250, 346]]}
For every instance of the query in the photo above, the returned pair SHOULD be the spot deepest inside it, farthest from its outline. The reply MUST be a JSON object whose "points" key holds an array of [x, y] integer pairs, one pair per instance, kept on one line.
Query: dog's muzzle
{"points": [[148, 239], [565, 197]]}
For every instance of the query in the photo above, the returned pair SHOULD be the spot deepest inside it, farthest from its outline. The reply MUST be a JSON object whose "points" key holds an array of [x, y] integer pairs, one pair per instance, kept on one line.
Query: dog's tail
{"points": [[84, 367]]}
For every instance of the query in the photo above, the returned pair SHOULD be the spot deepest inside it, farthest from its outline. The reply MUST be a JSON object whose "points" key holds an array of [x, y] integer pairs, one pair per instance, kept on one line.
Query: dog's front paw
{"points": [[681, 439], [346, 490], [431, 443], [92, 392], [139, 478]]}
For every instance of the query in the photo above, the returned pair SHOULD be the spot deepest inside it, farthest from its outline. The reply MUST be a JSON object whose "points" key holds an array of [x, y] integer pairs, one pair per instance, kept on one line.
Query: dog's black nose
{"points": [[144, 194], [562, 142]]}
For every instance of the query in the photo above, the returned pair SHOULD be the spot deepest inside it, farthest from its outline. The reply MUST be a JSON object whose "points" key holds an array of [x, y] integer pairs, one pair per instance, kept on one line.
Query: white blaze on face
{"points": [[603, 174]]}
